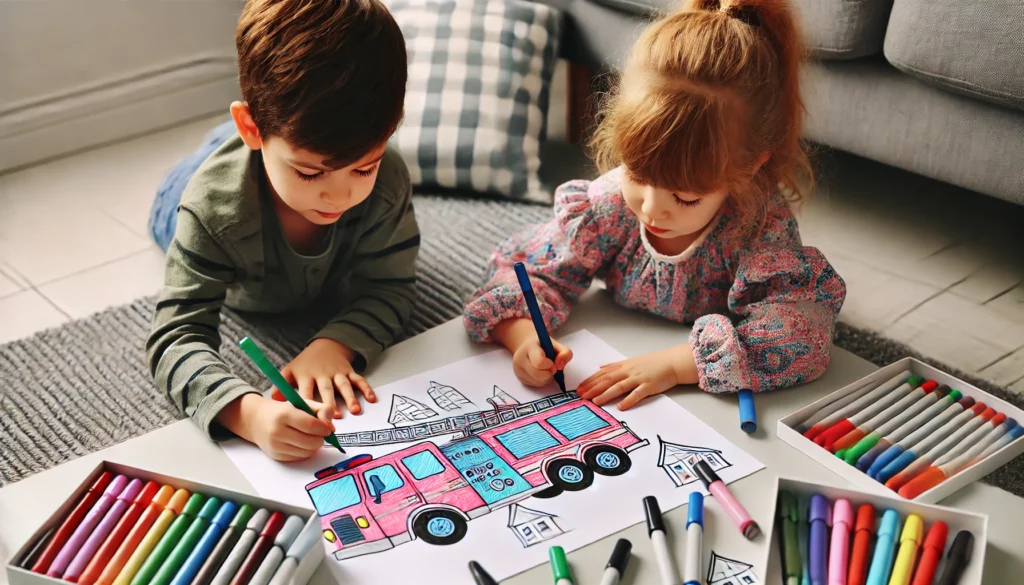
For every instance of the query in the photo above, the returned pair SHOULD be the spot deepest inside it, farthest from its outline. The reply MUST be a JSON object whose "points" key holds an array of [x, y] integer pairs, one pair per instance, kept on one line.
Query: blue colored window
{"points": [[526, 441], [388, 476], [422, 465], [334, 495], [577, 422]]}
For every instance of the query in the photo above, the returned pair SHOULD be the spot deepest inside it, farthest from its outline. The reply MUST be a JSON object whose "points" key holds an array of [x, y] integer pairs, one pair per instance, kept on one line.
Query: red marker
{"points": [[883, 403], [908, 406], [860, 556], [117, 535], [931, 554], [259, 550], [67, 528]]}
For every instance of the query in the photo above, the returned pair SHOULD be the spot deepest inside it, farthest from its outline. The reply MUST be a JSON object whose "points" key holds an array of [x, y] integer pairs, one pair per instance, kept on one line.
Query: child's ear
{"points": [[246, 125]]}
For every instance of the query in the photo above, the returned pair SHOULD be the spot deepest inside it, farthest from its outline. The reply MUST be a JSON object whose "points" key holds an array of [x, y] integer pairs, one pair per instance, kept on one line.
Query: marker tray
{"points": [[17, 575], [957, 520], [787, 432]]}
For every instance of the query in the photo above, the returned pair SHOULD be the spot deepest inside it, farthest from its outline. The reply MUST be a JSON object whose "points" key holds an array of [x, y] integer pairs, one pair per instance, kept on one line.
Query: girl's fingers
{"points": [[327, 395], [344, 386], [538, 359], [634, 397], [563, 357], [602, 383], [364, 386], [616, 390], [306, 386]]}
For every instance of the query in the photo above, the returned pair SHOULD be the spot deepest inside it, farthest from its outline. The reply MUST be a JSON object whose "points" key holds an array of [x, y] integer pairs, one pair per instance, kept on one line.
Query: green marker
{"points": [[169, 540], [253, 351], [560, 566], [788, 517], [188, 542]]}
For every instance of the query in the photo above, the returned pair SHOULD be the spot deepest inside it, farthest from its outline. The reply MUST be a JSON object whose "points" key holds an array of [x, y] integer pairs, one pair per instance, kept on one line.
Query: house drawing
{"points": [[533, 526], [502, 398], [408, 410], [726, 571], [446, 397], [678, 461]]}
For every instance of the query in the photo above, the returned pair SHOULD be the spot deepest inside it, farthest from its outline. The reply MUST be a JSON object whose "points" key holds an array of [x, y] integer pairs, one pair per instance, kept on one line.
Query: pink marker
{"points": [[838, 557], [66, 554], [733, 507], [124, 500]]}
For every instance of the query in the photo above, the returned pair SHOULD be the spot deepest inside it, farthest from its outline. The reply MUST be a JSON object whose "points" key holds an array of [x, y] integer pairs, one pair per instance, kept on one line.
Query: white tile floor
{"points": [[937, 267]]}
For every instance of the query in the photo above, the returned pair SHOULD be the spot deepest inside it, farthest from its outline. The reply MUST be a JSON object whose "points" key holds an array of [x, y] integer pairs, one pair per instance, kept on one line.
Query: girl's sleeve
{"points": [[562, 257], [787, 297]]}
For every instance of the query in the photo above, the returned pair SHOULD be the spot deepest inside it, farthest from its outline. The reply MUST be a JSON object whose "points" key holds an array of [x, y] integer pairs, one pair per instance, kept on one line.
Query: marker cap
{"points": [[705, 473], [163, 496], [273, 524], [820, 509], [913, 529], [695, 509], [966, 401], [865, 518], [929, 386], [148, 492], [479, 574], [787, 507], [101, 482], [210, 508], [937, 536], [956, 395], [245, 512], [179, 500], [620, 556], [524, 279], [116, 486], [963, 545], [915, 381], [653, 512], [194, 505], [303, 544], [748, 416], [890, 524], [1010, 424], [842, 514], [225, 513], [132, 491], [559, 564], [291, 529], [258, 520]]}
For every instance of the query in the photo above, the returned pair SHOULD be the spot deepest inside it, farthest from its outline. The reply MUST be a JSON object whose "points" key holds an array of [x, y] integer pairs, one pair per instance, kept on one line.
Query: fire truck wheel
{"points": [[440, 527], [570, 475], [548, 492], [607, 460]]}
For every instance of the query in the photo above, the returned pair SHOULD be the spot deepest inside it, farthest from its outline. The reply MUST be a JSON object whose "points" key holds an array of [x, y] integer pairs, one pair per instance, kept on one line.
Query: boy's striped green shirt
{"points": [[229, 249]]}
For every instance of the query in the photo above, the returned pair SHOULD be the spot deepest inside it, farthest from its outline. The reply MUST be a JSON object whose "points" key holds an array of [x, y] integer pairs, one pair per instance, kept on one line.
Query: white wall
{"points": [[76, 73]]}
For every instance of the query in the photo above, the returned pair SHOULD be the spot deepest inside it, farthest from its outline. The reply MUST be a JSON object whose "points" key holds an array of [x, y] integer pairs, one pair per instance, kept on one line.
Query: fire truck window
{"points": [[334, 495], [388, 476], [526, 441], [422, 465], [577, 422]]}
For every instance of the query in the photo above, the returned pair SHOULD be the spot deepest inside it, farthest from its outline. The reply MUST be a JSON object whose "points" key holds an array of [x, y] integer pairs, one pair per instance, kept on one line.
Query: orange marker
{"points": [[116, 537], [863, 531], [139, 530], [931, 554]]}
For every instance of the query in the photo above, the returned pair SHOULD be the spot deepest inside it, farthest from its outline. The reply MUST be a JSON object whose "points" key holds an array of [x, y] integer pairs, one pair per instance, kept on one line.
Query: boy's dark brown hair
{"points": [[327, 76]]}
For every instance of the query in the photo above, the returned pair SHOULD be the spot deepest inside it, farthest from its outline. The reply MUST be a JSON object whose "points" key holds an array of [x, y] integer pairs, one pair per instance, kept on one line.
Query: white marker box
{"points": [[787, 432], [957, 520], [17, 574]]}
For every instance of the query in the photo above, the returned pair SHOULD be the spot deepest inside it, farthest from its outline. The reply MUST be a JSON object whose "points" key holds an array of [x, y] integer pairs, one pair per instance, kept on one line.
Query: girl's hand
{"points": [[533, 368], [640, 377], [324, 368]]}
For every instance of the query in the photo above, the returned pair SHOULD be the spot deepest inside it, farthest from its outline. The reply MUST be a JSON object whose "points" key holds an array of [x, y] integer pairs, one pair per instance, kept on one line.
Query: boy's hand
{"points": [[281, 430], [640, 377], [324, 369]]}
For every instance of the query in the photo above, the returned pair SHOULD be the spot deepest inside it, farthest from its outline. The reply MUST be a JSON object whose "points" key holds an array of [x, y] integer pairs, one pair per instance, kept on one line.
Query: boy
{"points": [[303, 201]]}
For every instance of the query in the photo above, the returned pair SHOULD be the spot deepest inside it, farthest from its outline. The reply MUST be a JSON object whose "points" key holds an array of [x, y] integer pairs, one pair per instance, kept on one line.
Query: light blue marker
{"points": [[885, 548]]}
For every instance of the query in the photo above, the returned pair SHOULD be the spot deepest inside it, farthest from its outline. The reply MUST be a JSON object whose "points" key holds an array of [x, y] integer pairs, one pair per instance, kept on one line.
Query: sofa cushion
{"points": [[833, 29], [966, 47]]}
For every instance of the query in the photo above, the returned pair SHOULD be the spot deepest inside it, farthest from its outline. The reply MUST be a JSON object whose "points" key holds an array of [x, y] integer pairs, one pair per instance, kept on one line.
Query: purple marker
{"points": [[85, 528], [102, 530], [821, 519]]}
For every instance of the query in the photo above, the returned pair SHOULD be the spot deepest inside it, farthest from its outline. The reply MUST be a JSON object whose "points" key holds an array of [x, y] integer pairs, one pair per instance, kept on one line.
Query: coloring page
{"points": [[465, 463]]}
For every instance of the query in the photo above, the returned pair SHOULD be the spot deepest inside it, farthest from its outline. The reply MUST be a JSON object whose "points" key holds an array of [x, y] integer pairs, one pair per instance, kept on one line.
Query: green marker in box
{"points": [[253, 351]]}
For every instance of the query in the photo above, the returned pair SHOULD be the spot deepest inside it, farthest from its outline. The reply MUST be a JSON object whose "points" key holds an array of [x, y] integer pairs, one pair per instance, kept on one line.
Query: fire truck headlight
{"points": [[362, 523], [329, 535]]}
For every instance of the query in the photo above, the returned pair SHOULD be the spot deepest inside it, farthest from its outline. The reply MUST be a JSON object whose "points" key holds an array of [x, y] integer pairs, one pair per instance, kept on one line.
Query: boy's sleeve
{"points": [[787, 297], [183, 346], [382, 283]]}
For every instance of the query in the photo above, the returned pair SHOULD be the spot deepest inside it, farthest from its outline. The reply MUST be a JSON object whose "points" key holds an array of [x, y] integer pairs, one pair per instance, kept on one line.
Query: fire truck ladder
{"points": [[467, 424]]}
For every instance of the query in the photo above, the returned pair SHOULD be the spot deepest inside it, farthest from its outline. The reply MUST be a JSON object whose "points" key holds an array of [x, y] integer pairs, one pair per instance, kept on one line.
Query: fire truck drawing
{"points": [[540, 448]]}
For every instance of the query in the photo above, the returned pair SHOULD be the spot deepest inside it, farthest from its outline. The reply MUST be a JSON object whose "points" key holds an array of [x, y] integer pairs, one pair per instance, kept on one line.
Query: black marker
{"points": [[659, 541], [957, 558], [480, 575], [616, 566]]}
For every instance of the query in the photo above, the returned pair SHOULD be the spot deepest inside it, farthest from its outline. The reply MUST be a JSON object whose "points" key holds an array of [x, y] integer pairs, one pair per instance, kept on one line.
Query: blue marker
{"points": [[538, 320], [197, 557], [881, 561], [748, 417], [694, 536]]}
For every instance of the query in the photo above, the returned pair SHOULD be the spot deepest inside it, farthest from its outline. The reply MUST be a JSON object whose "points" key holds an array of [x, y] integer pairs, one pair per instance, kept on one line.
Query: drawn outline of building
{"points": [[406, 410], [726, 571], [533, 526], [502, 398], [446, 397], [678, 461]]}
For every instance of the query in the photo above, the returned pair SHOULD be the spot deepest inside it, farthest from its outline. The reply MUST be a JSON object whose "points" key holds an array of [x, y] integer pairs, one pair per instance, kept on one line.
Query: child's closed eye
{"points": [[309, 177], [686, 202], [366, 172]]}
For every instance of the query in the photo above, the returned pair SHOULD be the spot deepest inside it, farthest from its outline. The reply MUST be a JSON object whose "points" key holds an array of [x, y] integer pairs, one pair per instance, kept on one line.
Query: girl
{"points": [[687, 221]]}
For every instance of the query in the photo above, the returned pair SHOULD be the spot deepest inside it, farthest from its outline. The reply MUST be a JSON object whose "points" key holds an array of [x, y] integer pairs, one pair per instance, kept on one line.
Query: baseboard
{"points": [[53, 126]]}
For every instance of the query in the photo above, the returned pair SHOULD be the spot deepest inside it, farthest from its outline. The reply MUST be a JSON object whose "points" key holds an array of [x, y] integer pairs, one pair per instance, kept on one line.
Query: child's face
{"points": [[667, 215], [318, 193]]}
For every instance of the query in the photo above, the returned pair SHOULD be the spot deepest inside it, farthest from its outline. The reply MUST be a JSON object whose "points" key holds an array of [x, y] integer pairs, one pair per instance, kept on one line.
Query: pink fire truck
{"points": [[431, 492]]}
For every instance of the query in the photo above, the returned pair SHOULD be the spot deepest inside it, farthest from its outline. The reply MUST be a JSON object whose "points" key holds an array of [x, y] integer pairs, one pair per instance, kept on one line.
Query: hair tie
{"points": [[746, 14]]}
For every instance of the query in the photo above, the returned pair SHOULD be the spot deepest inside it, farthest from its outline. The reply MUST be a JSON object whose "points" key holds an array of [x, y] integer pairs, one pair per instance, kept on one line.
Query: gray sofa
{"points": [[932, 86]]}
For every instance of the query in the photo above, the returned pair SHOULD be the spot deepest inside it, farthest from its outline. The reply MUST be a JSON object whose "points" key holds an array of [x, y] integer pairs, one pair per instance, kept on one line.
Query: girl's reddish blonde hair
{"points": [[707, 92]]}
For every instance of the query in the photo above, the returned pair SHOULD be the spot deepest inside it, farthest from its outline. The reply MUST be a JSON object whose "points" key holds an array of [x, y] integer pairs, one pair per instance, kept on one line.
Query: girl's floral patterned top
{"points": [[763, 310]]}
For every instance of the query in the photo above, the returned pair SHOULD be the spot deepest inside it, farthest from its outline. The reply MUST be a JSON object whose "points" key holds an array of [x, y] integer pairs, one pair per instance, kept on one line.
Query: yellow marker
{"points": [[148, 543], [910, 543]]}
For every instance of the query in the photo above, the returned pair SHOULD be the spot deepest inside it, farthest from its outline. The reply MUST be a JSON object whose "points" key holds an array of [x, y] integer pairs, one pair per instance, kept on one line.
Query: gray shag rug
{"points": [[85, 385]]}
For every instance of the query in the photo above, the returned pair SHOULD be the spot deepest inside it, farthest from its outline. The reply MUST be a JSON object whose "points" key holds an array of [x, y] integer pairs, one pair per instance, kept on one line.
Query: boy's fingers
{"points": [[328, 397], [364, 386], [302, 443], [286, 373], [311, 425], [344, 387], [306, 388]]}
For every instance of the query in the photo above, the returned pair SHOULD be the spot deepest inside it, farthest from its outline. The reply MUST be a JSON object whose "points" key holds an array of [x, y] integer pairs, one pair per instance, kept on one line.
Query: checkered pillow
{"points": [[477, 99]]}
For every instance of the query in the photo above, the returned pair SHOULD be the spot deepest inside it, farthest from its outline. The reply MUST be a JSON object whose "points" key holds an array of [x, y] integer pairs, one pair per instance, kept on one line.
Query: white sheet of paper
{"points": [[610, 504]]}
